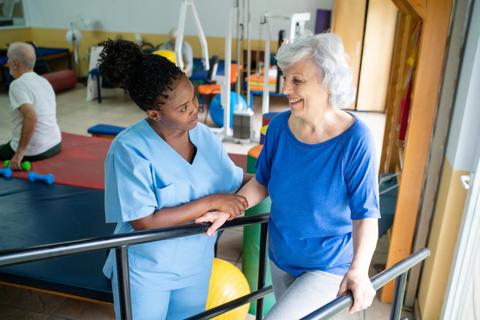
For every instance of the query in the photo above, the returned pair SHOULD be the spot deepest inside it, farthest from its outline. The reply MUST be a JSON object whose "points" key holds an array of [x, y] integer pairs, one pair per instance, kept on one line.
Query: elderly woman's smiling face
{"points": [[303, 85]]}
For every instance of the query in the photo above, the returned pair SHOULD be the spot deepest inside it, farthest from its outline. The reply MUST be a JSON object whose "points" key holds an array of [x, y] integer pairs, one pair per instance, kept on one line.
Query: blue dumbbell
{"points": [[6, 173], [47, 178]]}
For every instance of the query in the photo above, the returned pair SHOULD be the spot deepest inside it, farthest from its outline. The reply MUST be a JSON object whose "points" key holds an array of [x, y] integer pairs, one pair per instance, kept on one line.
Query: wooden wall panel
{"points": [[423, 111], [377, 55], [348, 21]]}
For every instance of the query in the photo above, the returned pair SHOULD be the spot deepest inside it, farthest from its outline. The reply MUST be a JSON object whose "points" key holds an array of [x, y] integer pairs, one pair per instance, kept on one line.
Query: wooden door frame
{"points": [[435, 15]]}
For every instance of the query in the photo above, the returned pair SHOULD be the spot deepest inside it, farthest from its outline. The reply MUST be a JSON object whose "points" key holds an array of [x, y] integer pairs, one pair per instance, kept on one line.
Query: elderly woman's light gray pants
{"points": [[297, 297]]}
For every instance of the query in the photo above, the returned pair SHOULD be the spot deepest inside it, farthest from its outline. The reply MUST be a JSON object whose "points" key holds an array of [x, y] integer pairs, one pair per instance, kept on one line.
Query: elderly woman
{"points": [[318, 166]]}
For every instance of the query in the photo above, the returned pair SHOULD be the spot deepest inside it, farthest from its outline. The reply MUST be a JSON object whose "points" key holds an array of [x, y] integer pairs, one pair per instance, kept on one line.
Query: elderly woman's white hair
{"points": [[327, 52]]}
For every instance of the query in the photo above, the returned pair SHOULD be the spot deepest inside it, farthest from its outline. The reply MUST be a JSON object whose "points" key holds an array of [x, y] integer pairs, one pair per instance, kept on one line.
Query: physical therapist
{"points": [[165, 170]]}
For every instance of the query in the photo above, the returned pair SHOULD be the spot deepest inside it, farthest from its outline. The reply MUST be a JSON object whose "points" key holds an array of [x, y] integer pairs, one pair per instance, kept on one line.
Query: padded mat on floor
{"points": [[33, 214], [80, 163]]}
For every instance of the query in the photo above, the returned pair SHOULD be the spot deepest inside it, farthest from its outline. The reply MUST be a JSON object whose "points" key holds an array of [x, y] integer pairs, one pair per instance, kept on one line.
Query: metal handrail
{"points": [[211, 313], [342, 303], [121, 242], [15, 256]]}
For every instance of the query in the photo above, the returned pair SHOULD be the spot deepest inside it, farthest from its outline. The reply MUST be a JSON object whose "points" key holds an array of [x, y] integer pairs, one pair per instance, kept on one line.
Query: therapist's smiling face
{"points": [[180, 110]]}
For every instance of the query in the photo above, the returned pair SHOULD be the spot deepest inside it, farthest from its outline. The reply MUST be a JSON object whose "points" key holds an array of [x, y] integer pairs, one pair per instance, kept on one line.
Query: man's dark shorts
{"points": [[6, 153]]}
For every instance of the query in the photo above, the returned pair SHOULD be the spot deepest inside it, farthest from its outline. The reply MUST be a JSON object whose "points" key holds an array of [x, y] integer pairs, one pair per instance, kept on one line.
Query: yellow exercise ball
{"points": [[170, 55], [227, 283]]}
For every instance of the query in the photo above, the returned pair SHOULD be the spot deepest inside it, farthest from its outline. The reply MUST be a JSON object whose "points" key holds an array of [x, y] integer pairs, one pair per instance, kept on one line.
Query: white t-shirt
{"points": [[30, 88]]}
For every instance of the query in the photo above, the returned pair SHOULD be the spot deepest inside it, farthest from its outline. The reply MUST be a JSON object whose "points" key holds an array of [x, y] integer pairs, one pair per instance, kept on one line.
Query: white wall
{"points": [[463, 151], [157, 16], [464, 138]]}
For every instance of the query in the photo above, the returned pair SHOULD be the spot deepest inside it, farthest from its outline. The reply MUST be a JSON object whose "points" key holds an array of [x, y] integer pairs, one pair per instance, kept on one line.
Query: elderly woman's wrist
{"points": [[359, 268]]}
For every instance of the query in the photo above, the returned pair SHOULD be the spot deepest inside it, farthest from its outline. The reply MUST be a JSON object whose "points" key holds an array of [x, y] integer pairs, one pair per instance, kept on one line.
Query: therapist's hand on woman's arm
{"points": [[231, 204], [356, 280], [252, 191]]}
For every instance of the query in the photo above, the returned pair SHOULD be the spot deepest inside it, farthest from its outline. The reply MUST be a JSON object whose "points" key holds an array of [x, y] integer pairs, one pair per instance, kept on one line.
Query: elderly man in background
{"points": [[35, 132], [187, 53]]}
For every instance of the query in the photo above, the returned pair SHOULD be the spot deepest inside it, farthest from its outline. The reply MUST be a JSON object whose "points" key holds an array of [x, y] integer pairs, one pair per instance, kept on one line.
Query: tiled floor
{"points": [[75, 115]]}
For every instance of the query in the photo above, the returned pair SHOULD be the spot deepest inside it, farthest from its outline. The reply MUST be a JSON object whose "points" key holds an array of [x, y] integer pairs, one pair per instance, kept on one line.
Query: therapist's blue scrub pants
{"points": [[158, 304]]}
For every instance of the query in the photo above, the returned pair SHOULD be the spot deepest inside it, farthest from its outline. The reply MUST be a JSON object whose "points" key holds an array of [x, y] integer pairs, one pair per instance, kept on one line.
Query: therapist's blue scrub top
{"points": [[143, 174]]}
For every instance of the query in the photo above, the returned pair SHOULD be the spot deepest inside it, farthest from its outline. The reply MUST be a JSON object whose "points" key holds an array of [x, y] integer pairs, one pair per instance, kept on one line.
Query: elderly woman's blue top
{"points": [[316, 191]]}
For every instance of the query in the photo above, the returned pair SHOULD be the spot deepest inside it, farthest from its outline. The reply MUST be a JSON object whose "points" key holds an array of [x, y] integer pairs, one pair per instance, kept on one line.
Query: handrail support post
{"points": [[401, 282], [261, 268], [121, 254]]}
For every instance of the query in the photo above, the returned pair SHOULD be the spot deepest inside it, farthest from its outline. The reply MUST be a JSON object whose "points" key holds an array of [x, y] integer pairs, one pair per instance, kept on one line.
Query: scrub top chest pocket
{"points": [[166, 196]]}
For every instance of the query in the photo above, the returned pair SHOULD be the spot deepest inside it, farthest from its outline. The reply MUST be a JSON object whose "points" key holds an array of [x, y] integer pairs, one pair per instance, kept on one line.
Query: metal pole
{"points": [[281, 37], [238, 87], [398, 300], [249, 51], [201, 37], [180, 32], [228, 70], [266, 68], [261, 268], [123, 283]]}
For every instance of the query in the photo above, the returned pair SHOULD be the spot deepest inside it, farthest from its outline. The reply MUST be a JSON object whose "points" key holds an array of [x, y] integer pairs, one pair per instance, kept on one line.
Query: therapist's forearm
{"points": [[253, 191], [175, 216], [365, 236], [188, 212]]}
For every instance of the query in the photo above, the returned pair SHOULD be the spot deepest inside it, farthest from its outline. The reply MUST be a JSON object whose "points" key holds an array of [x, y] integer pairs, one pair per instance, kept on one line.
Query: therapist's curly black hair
{"points": [[148, 78]]}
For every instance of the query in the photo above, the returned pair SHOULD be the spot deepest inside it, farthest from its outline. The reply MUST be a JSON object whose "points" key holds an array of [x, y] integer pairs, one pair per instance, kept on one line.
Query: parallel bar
{"points": [[121, 242], [400, 267], [232, 304], [261, 268], [399, 294], [332, 308], [123, 282], [342, 303], [14, 256]]}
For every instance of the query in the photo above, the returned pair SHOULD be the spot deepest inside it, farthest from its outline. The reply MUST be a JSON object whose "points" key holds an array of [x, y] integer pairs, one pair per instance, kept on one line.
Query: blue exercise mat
{"points": [[33, 214], [105, 129]]}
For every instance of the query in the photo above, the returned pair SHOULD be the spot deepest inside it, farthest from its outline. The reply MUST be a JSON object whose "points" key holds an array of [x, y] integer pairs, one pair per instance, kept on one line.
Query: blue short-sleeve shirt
{"points": [[144, 174], [316, 191]]}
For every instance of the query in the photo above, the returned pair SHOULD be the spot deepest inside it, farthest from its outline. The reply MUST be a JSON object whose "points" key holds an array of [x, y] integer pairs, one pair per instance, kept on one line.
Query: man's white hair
{"points": [[173, 33], [23, 53]]}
